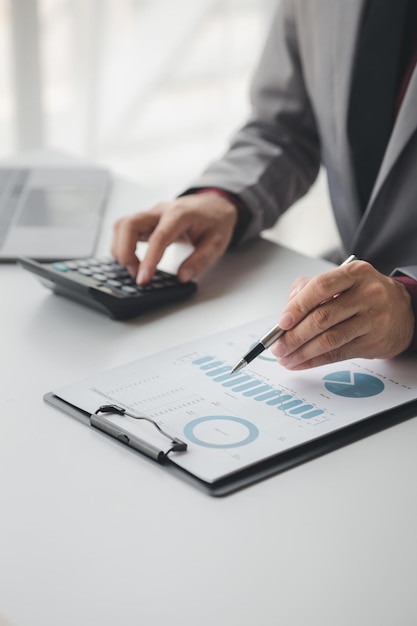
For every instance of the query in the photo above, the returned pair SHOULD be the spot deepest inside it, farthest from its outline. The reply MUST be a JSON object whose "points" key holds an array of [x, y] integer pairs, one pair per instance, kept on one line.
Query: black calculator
{"points": [[107, 286]]}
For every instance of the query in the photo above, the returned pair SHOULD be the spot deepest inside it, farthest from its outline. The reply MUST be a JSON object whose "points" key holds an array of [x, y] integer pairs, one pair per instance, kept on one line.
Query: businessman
{"points": [[337, 86]]}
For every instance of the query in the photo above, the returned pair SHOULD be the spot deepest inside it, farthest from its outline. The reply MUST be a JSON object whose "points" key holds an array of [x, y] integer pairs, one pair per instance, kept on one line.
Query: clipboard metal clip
{"points": [[177, 445]]}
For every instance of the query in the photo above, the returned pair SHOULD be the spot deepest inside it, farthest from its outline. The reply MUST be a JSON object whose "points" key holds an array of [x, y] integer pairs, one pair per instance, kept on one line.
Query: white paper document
{"points": [[234, 421]]}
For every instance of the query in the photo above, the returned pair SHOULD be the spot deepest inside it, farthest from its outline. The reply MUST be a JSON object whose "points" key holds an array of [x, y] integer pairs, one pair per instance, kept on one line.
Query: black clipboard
{"points": [[271, 466]]}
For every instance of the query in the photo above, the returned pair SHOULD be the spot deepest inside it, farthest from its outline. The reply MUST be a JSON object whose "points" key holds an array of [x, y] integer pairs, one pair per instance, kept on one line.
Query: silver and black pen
{"points": [[270, 337]]}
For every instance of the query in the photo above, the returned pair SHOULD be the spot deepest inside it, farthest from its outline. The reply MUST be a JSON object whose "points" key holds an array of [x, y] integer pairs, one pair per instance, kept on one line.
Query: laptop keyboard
{"points": [[12, 183]]}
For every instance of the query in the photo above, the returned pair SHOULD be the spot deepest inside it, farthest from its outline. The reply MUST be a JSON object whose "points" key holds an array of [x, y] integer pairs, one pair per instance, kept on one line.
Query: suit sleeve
{"points": [[275, 157]]}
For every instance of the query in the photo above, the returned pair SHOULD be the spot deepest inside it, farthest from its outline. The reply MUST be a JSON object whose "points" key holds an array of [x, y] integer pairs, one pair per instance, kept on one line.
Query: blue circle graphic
{"points": [[253, 432], [353, 384]]}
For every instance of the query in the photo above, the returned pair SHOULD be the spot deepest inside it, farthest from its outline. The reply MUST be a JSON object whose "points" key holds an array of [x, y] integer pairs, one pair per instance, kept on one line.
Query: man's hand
{"points": [[205, 220], [352, 311]]}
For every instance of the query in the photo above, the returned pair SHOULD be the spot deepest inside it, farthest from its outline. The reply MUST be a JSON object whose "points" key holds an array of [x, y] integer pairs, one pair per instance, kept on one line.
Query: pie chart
{"points": [[353, 384]]}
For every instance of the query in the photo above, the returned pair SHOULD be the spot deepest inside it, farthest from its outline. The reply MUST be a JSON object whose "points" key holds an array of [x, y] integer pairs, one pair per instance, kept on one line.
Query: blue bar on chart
{"points": [[249, 386], [254, 392]]}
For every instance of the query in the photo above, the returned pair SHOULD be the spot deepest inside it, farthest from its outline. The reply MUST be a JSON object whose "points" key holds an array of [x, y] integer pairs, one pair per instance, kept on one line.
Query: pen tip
{"points": [[238, 366]]}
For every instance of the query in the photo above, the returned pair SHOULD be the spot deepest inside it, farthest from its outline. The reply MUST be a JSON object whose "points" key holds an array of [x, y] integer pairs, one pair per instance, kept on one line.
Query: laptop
{"points": [[51, 213]]}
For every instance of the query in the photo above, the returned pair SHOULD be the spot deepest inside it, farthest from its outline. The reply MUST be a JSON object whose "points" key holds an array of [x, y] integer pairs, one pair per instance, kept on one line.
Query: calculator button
{"points": [[60, 267], [123, 273], [104, 267], [113, 283], [127, 289], [100, 277], [85, 271]]}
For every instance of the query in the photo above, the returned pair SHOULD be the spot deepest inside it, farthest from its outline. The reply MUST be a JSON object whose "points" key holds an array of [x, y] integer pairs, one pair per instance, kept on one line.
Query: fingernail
{"points": [[286, 320], [143, 276], [186, 275]]}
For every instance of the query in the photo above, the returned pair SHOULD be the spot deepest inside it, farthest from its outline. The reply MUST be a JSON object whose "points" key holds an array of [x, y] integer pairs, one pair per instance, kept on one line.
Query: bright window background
{"points": [[152, 89]]}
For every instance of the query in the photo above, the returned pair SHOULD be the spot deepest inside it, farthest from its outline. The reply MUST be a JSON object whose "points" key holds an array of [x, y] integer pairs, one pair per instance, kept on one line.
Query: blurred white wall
{"points": [[128, 82], [152, 89]]}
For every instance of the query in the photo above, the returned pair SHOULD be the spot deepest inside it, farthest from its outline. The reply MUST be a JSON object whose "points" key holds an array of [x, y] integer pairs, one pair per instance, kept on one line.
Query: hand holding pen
{"points": [[273, 334], [351, 311]]}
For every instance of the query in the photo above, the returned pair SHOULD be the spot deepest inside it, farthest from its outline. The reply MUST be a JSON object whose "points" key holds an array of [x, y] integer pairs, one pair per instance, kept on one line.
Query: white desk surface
{"points": [[93, 534]]}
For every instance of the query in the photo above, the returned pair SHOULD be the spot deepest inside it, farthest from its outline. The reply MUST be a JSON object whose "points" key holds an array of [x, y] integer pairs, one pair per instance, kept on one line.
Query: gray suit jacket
{"points": [[300, 96]]}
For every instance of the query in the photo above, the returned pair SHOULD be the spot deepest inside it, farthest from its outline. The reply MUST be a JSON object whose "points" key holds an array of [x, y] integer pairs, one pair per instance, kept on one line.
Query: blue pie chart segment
{"points": [[353, 384]]}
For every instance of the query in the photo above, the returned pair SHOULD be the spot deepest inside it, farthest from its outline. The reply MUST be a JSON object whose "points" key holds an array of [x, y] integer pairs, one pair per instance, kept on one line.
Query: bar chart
{"points": [[252, 387]]}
